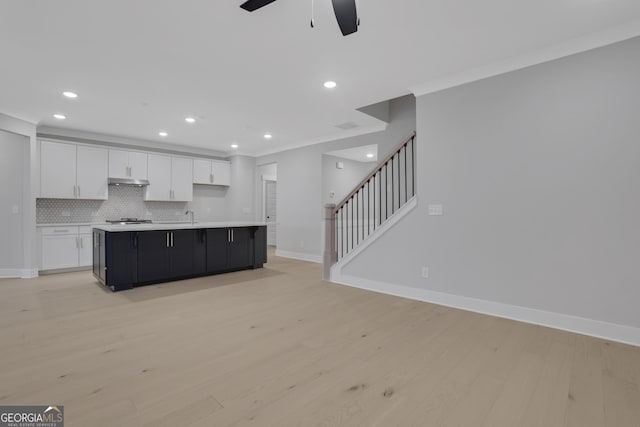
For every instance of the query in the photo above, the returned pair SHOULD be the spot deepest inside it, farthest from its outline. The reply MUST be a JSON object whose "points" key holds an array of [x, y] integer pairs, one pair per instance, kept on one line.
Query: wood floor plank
{"points": [[278, 346]]}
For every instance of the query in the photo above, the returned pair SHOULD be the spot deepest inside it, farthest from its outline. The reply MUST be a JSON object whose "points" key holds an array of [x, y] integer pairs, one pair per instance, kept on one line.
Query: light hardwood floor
{"points": [[280, 347]]}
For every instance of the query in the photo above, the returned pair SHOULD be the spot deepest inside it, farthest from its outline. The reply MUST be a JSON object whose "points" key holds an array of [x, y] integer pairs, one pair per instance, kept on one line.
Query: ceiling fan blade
{"points": [[347, 15], [252, 5]]}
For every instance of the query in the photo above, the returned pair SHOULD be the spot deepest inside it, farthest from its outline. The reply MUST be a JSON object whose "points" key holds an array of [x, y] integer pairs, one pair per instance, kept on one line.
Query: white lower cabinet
{"points": [[65, 247]]}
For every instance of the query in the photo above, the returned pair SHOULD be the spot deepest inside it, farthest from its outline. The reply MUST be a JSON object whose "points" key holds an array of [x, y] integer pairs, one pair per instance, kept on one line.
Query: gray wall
{"points": [[239, 201], [14, 152], [300, 201], [341, 181], [539, 174]]}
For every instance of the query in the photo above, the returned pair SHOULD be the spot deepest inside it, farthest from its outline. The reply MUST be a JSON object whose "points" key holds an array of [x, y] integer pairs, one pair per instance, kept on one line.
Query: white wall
{"points": [[539, 174], [14, 149], [300, 201], [18, 164]]}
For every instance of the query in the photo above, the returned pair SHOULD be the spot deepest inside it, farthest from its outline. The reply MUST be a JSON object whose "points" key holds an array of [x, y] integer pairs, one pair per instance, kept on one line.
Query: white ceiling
{"points": [[142, 66]]}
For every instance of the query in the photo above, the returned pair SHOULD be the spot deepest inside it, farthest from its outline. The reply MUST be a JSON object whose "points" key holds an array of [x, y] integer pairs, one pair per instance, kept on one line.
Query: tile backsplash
{"points": [[123, 202]]}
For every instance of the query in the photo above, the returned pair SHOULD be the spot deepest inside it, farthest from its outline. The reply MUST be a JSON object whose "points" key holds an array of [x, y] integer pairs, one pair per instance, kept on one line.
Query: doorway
{"points": [[270, 203]]}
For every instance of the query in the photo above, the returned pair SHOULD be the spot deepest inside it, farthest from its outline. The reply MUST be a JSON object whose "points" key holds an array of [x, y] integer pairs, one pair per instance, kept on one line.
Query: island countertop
{"points": [[177, 225]]}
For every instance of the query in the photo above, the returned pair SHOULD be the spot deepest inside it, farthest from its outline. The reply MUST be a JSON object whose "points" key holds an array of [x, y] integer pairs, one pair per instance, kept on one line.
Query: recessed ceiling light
{"points": [[234, 145], [268, 136], [60, 116], [163, 134], [330, 84], [70, 94], [369, 155], [190, 120]]}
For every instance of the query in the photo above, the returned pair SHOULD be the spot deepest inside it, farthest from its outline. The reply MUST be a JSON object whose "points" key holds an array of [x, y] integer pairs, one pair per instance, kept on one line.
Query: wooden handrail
{"points": [[375, 170]]}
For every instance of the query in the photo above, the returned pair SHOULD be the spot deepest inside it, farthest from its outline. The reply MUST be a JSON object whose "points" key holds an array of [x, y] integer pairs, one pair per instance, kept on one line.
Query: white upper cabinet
{"points": [[169, 179], [127, 164], [57, 170], [212, 172], [68, 171], [181, 184]]}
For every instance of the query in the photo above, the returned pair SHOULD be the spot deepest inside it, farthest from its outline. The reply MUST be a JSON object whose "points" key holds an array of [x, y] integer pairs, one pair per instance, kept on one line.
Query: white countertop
{"points": [[177, 225]]}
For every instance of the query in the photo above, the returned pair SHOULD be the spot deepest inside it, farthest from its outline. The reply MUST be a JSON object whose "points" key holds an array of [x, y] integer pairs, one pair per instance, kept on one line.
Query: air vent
{"points": [[347, 125]]}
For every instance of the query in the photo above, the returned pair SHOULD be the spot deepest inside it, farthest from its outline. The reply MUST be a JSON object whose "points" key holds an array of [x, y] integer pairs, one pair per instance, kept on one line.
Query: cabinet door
{"points": [[59, 251], [240, 255], [137, 165], [57, 170], [92, 172], [118, 164], [121, 259], [159, 173], [181, 253], [221, 172], [202, 172], [85, 258], [217, 244], [153, 247], [200, 252], [182, 179]]}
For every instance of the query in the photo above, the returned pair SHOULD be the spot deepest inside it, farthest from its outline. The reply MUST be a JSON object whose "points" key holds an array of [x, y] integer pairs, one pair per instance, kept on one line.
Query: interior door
{"points": [[270, 198]]}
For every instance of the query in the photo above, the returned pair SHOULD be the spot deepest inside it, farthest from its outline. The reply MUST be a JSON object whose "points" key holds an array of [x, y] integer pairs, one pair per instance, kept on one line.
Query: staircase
{"points": [[360, 215]]}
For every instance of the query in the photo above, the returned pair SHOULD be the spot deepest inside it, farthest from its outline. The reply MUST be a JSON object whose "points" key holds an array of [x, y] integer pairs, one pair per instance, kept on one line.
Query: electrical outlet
{"points": [[436, 210], [425, 272]]}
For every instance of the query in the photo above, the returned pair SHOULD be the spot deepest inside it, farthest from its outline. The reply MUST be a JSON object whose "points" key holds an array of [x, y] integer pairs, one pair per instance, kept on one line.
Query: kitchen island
{"points": [[131, 255]]}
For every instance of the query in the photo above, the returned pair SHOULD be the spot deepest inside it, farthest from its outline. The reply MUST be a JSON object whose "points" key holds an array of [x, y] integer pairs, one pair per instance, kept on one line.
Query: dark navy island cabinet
{"points": [[124, 259]]}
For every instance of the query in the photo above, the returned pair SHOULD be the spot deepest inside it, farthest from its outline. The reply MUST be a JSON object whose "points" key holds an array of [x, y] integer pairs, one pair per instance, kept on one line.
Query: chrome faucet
{"points": [[191, 216]]}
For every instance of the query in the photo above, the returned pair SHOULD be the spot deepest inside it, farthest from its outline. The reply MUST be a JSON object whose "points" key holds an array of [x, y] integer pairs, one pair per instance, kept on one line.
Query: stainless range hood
{"points": [[129, 181]]}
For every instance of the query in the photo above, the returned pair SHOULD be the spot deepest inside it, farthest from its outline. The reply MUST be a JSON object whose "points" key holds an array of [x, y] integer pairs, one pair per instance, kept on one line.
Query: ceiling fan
{"points": [[345, 10]]}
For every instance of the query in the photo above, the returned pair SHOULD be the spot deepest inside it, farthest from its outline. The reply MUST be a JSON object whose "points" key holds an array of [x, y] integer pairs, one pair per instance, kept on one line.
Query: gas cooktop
{"points": [[129, 221]]}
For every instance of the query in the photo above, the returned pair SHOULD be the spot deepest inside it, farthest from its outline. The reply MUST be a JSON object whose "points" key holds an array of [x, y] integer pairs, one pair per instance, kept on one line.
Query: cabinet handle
{"points": [[81, 242], [232, 237], [75, 191], [228, 235], [167, 239], [60, 231], [172, 239], [211, 178], [95, 239], [78, 191]]}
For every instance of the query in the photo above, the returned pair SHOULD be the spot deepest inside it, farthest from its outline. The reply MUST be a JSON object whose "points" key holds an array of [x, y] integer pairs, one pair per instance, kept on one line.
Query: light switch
{"points": [[339, 165], [435, 210]]}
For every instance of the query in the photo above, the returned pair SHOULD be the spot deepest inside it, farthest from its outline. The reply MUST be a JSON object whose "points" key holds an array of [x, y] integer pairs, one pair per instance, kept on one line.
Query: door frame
{"points": [[265, 179]]}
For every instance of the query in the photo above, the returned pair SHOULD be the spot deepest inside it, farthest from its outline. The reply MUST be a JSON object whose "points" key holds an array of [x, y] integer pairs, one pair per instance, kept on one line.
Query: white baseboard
{"points": [[609, 331], [15, 273], [299, 255]]}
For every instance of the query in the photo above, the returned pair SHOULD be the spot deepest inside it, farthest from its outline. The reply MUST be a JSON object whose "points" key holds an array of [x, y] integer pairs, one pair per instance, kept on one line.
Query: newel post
{"points": [[330, 255]]}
